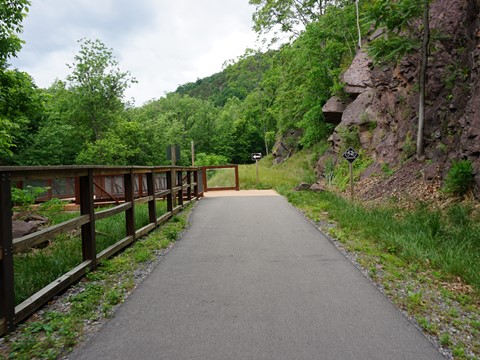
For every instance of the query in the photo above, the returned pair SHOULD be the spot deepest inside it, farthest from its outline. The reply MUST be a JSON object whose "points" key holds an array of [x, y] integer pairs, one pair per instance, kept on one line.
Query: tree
{"points": [[99, 86], [404, 35], [290, 15], [12, 13], [21, 109], [423, 80]]}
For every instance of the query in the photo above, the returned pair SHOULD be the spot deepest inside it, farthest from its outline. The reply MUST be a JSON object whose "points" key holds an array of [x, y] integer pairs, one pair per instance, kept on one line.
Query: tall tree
{"points": [[423, 80], [404, 34], [290, 15], [99, 86]]}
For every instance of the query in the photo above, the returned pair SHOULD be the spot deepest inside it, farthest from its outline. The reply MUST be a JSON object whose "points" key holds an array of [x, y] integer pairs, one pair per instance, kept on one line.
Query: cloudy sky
{"points": [[163, 43]]}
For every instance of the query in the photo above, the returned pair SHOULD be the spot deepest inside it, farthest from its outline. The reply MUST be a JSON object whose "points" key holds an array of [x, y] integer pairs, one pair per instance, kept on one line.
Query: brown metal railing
{"points": [[181, 186]]}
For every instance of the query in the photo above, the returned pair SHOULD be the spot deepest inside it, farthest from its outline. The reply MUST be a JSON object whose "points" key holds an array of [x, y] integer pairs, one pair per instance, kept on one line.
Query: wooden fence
{"points": [[236, 181], [183, 185]]}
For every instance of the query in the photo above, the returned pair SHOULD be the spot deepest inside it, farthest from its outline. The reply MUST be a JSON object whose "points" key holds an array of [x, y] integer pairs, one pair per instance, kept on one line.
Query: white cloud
{"points": [[163, 43]]}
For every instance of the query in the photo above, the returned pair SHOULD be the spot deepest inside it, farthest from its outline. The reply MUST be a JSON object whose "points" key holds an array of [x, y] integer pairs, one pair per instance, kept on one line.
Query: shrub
{"points": [[24, 198], [459, 178]]}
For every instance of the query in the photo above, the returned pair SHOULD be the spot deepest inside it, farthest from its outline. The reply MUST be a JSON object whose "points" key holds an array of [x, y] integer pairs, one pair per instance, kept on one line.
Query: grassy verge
{"points": [[427, 261], [39, 267], [54, 331]]}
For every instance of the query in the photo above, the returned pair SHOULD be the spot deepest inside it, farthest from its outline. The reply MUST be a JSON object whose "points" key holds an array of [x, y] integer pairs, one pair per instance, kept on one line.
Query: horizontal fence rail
{"points": [[127, 186]]}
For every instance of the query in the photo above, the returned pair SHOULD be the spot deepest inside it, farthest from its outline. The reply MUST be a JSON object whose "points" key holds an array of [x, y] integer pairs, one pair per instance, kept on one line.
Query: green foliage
{"points": [[12, 13], [203, 159], [349, 137], [99, 86], [21, 107], [287, 14], [402, 32], [24, 198], [460, 178]]}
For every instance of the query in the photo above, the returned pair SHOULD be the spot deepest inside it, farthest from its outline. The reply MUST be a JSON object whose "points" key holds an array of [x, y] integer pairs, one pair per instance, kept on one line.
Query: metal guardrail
{"points": [[182, 186]]}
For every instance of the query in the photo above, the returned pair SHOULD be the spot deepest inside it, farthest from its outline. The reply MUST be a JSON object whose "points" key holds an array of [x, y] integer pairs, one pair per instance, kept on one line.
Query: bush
{"points": [[460, 178], [203, 159], [24, 198]]}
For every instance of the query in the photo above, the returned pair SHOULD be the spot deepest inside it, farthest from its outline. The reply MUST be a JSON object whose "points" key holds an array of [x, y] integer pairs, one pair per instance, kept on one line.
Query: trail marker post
{"points": [[256, 157], [350, 155]]}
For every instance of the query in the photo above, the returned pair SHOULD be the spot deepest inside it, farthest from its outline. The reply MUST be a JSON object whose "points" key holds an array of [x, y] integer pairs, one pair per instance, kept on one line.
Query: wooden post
{"points": [[189, 183], [129, 197], [152, 205], [195, 180], [87, 208], [7, 296], [237, 181], [170, 187], [204, 179], [180, 183]]}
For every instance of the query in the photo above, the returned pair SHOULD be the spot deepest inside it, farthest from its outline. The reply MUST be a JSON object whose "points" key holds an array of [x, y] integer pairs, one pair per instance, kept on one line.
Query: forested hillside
{"points": [[257, 98]]}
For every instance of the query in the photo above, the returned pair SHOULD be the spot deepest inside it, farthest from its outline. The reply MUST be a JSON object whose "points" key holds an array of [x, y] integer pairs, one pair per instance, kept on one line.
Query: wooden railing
{"points": [[182, 187], [235, 179]]}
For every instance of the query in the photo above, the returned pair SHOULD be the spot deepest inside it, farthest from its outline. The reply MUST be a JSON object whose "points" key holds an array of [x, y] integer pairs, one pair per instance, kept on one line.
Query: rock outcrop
{"points": [[286, 145], [383, 101]]}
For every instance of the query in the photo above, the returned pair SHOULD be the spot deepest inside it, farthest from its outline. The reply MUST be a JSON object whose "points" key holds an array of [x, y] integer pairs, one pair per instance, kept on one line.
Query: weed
{"points": [[113, 296], [165, 243], [458, 350], [387, 170], [142, 255], [460, 178], [426, 325], [445, 339], [408, 147]]}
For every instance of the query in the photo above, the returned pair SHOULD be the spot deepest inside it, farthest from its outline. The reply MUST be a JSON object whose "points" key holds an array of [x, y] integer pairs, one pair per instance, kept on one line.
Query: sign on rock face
{"points": [[350, 154]]}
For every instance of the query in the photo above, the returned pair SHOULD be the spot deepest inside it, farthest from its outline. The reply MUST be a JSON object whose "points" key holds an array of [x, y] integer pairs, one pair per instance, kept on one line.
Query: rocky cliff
{"points": [[382, 105]]}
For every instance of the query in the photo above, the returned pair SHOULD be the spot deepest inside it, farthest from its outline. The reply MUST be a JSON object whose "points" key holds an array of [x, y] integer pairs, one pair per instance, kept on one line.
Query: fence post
{"points": [[129, 197], [204, 179], [170, 187], [87, 208], [195, 180], [237, 181], [180, 183], [7, 296], [189, 183], [152, 208]]}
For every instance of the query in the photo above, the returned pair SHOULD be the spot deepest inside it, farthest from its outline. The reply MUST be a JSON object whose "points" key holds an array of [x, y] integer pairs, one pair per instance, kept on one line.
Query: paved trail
{"points": [[253, 279]]}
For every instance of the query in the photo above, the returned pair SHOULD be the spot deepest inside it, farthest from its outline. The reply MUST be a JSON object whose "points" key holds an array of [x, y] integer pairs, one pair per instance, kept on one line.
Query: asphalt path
{"points": [[251, 278]]}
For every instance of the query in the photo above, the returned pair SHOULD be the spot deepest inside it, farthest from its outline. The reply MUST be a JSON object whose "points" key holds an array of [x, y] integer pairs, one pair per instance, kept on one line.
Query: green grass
{"points": [[221, 178], [39, 267]]}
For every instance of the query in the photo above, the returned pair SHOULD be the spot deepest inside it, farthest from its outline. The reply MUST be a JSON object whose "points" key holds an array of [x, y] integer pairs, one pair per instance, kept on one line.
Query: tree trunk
{"points": [[423, 80], [358, 26]]}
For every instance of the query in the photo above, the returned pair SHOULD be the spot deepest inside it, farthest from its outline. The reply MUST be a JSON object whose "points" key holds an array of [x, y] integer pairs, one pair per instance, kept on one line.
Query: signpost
{"points": [[350, 155], [256, 157]]}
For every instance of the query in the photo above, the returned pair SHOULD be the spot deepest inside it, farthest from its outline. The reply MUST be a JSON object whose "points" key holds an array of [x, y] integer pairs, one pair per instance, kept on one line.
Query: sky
{"points": [[162, 43]]}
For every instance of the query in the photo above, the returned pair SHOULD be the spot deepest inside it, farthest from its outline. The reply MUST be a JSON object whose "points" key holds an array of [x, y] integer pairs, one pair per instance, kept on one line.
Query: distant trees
{"points": [[84, 119]]}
